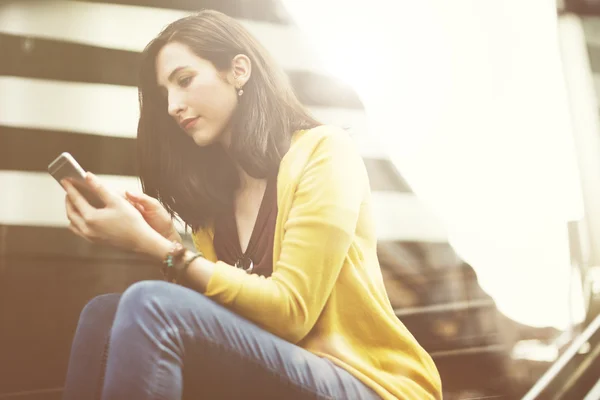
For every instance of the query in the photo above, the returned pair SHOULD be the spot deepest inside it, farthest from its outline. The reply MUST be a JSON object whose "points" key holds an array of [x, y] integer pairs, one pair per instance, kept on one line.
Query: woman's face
{"points": [[200, 98]]}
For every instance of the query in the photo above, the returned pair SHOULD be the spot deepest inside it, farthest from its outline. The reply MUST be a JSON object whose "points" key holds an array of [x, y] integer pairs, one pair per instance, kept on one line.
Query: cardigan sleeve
{"points": [[317, 236]]}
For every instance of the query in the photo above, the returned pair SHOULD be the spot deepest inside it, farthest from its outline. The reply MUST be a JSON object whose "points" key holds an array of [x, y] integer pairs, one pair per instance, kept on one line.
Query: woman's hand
{"points": [[118, 223], [155, 214]]}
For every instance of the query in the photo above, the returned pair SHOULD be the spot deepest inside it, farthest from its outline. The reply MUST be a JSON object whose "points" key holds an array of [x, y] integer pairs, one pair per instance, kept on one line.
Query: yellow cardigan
{"points": [[326, 293]]}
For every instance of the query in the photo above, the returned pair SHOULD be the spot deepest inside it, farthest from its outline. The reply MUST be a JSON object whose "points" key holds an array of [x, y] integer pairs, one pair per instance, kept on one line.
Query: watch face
{"points": [[245, 263]]}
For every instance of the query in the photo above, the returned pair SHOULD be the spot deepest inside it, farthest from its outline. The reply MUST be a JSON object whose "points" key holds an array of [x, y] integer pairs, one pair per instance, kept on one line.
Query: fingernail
{"points": [[91, 177]]}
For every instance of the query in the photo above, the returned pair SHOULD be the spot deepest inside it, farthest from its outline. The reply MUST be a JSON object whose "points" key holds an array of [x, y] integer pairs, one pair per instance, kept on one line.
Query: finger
{"points": [[78, 201], [131, 195], [143, 199], [131, 199], [106, 195], [134, 203], [75, 217], [137, 206], [76, 231]]}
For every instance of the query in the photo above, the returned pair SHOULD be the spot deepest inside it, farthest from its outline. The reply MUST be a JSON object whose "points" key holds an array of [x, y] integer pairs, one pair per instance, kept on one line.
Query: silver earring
{"points": [[240, 92]]}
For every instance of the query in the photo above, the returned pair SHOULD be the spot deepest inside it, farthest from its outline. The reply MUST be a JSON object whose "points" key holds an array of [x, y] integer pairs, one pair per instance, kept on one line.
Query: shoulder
{"points": [[323, 135], [324, 141], [325, 169], [324, 148]]}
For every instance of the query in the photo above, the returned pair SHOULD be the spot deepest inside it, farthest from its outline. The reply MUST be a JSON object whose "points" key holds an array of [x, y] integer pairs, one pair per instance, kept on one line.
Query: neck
{"points": [[247, 181]]}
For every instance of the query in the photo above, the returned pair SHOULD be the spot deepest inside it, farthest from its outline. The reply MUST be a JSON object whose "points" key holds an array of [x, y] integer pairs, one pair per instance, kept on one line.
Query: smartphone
{"points": [[65, 166]]}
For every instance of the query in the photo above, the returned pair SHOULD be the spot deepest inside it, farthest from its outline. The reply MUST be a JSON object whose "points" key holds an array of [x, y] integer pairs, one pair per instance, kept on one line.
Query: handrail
{"points": [[562, 361]]}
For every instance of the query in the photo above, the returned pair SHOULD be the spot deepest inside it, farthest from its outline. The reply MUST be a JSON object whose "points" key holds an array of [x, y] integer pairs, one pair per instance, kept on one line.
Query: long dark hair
{"points": [[197, 183]]}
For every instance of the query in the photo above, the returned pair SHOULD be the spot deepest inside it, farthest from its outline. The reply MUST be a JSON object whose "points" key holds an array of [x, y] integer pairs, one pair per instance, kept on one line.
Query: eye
{"points": [[184, 82]]}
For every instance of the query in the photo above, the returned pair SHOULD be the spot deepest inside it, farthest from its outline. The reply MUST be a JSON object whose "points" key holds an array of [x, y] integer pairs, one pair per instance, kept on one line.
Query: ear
{"points": [[241, 69]]}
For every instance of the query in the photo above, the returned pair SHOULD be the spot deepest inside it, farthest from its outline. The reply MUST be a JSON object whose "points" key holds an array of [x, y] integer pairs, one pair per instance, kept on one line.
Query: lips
{"points": [[188, 122]]}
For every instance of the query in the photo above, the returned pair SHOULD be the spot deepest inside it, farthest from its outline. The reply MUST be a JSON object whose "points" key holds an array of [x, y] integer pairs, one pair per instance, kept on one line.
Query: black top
{"points": [[259, 253]]}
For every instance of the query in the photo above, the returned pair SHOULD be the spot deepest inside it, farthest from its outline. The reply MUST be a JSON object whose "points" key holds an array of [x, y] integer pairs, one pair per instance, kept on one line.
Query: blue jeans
{"points": [[163, 341]]}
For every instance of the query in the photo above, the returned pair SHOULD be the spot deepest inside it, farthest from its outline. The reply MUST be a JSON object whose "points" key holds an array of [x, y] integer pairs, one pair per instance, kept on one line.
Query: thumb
{"points": [[106, 195]]}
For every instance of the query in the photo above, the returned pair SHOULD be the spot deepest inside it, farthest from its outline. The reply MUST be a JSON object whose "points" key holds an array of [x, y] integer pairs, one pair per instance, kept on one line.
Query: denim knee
{"points": [[100, 307], [148, 296], [144, 293], [157, 300]]}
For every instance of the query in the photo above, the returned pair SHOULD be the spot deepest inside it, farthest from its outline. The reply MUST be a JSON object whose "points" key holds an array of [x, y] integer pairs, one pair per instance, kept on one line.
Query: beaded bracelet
{"points": [[171, 259]]}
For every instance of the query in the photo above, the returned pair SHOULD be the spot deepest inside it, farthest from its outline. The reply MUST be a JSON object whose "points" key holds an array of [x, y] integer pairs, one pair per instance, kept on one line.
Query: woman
{"points": [[285, 298]]}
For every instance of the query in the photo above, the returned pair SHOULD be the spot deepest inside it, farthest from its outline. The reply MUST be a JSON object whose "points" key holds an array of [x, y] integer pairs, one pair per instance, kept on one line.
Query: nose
{"points": [[175, 106]]}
